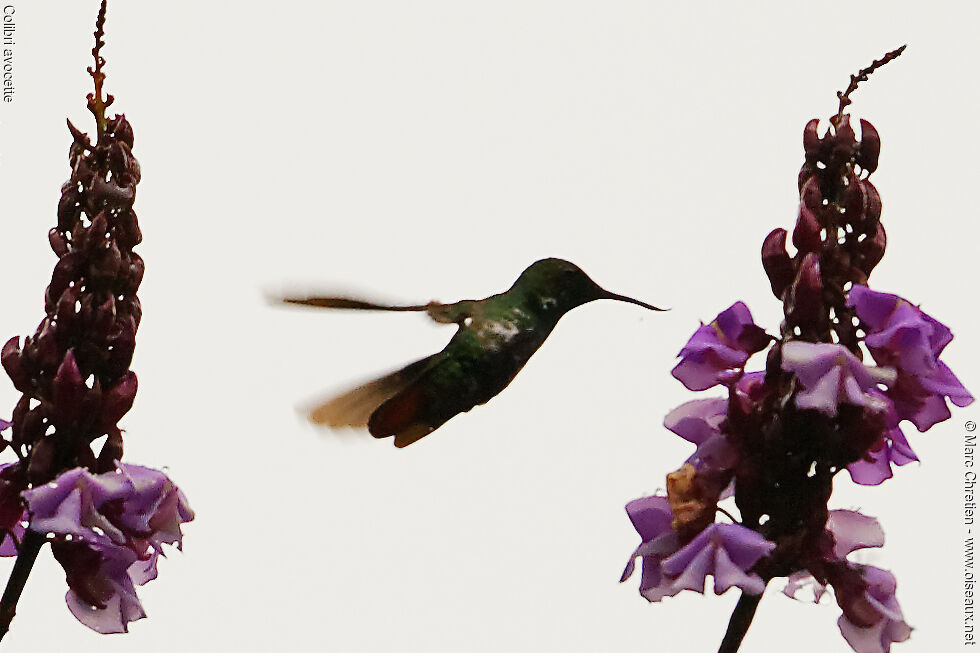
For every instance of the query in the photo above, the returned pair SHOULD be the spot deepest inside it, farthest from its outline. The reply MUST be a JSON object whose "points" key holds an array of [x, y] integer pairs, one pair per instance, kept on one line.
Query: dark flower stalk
{"points": [[780, 436], [105, 520]]}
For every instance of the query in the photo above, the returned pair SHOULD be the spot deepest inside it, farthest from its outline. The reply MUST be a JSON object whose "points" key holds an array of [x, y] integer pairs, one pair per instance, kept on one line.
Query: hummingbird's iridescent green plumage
{"points": [[495, 338]]}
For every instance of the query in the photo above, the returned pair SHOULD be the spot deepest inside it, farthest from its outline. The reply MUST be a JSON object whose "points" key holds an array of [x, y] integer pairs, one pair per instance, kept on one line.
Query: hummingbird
{"points": [[495, 337]]}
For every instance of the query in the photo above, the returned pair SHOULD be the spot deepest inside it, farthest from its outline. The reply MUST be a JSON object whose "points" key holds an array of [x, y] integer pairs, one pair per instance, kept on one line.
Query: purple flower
{"points": [[725, 551], [831, 375], [652, 517], [804, 579], [101, 581], [876, 466], [852, 531], [899, 334], [717, 351], [878, 606], [699, 422], [902, 336], [849, 531], [921, 400], [110, 529]]}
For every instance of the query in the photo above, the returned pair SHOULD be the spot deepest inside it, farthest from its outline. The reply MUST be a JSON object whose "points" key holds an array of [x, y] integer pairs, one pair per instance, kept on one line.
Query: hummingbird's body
{"points": [[495, 338]]}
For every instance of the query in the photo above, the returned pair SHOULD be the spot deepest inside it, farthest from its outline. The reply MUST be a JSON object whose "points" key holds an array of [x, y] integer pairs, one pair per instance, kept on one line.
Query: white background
{"points": [[420, 150]]}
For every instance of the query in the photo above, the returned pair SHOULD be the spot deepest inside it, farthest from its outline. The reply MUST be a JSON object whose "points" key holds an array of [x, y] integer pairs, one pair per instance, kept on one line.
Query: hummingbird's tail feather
{"points": [[354, 408], [349, 303], [402, 416]]}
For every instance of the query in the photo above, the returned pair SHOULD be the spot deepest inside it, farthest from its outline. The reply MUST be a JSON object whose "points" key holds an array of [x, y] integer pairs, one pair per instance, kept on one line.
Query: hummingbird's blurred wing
{"points": [[354, 408]]}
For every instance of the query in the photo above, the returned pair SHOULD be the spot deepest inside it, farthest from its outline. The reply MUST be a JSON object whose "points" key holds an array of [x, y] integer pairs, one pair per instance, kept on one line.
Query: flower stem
{"points": [[30, 546], [739, 624]]}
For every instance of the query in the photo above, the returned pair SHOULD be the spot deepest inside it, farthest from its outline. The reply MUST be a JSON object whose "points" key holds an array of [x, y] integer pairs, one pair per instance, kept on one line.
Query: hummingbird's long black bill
{"points": [[605, 294]]}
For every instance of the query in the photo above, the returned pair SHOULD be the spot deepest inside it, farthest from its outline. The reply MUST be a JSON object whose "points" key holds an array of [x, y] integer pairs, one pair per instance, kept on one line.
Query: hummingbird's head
{"points": [[561, 285]]}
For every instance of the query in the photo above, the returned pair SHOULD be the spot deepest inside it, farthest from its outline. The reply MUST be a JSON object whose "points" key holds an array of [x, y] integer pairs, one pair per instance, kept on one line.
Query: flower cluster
{"points": [[817, 407], [106, 521]]}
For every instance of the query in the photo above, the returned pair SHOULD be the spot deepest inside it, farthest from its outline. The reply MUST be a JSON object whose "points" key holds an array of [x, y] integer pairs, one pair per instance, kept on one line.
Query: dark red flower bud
{"points": [[112, 450], [104, 319], [806, 235], [124, 166], [107, 265], [39, 467], [872, 206], [843, 143], [872, 249], [12, 483], [58, 242], [44, 350], [753, 338], [67, 390], [96, 231], [12, 359], [128, 230], [117, 400], [870, 148], [68, 207], [805, 305], [103, 194], [810, 195], [21, 409], [31, 427], [64, 310], [120, 129], [811, 139], [776, 262], [123, 344], [135, 273], [65, 271]]}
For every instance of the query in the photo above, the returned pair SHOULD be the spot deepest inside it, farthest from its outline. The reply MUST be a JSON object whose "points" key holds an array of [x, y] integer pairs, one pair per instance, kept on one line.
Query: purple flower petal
{"points": [[853, 531], [944, 383], [69, 505], [717, 351], [728, 574], [804, 579], [101, 593], [694, 573], [890, 625], [876, 466], [652, 517], [832, 375], [742, 548], [697, 421], [902, 336], [118, 523], [926, 406]]}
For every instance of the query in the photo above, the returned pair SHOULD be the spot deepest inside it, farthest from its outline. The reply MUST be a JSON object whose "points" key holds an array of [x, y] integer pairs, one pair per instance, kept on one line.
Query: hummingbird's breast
{"points": [[506, 337], [500, 331]]}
